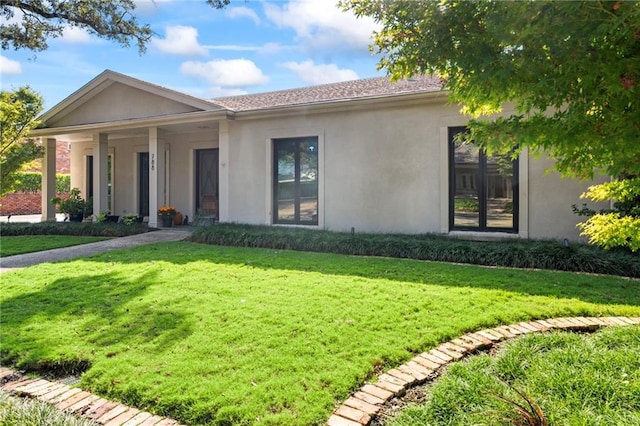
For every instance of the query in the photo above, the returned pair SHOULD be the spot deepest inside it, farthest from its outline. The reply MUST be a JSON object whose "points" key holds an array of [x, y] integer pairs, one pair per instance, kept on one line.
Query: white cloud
{"points": [[320, 25], [243, 12], [180, 40], [9, 66], [231, 73], [311, 73], [272, 48], [75, 35]]}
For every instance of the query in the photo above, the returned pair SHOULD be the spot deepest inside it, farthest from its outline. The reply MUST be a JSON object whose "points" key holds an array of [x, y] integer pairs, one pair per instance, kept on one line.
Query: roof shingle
{"points": [[356, 89]]}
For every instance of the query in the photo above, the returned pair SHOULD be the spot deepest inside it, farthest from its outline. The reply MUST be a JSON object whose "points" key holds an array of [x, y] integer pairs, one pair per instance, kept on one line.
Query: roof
{"points": [[347, 90]]}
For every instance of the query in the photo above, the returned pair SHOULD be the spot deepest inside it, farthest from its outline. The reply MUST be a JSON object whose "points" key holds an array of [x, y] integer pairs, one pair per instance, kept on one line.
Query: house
{"points": [[366, 155]]}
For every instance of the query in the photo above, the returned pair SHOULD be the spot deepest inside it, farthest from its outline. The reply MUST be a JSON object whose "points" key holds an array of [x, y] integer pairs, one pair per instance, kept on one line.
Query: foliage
{"points": [[74, 204], [574, 379], [516, 253], [32, 243], [18, 112], [130, 219], [65, 228], [237, 336], [30, 412], [466, 204], [570, 69], [28, 24], [32, 182], [617, 227]]}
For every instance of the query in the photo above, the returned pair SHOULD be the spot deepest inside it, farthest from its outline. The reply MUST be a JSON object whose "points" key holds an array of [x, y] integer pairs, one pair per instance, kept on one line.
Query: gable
{"points": [[117, 101]]}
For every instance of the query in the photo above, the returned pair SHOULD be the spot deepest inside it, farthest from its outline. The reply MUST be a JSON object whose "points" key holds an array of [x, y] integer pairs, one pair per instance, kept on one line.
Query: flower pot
{"points": [[73, 217], [167, 221]]}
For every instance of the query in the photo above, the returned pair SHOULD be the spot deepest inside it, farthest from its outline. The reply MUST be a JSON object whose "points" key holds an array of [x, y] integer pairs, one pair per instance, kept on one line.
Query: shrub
{"points": [[513, 253], [32, 182], [79, 229]]}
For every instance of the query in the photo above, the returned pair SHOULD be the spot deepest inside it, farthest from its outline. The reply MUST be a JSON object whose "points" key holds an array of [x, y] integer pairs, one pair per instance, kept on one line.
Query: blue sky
{"points": [[251, 46]]}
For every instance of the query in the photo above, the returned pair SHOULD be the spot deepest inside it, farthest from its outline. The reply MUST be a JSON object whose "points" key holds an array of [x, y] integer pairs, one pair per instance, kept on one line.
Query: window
{"points": [[483, 190], [295, 186], [89, 179]]}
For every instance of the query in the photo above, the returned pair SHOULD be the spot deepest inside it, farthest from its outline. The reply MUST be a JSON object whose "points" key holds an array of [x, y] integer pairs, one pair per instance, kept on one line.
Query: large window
{"points": [[295, 187], [89, 179], [483, 190]]}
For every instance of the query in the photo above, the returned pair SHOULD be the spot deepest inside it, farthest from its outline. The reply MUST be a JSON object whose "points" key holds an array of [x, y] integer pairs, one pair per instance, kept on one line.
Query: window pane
{"points": [[286, 181], [466, 172], [309, 181], [499, 192]]}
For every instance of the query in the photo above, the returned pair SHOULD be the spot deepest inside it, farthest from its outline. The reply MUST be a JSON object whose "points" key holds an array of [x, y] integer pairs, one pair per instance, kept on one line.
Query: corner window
{"points": [[295, 186], [483, 190]]}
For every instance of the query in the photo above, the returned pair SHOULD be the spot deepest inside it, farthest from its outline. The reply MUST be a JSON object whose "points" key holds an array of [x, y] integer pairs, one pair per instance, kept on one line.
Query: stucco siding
{"points": [[119, 102], [550, 201]]}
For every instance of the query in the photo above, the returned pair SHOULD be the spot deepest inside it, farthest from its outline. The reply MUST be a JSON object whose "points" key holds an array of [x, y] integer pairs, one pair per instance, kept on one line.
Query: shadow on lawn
{"points": [[601, 289], [103, 310]]}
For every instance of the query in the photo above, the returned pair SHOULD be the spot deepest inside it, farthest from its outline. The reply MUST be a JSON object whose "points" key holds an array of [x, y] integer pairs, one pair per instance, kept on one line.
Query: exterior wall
{"points": [[180, 150], [385, 171], [382, 169], [550, 201], [120, 102]]}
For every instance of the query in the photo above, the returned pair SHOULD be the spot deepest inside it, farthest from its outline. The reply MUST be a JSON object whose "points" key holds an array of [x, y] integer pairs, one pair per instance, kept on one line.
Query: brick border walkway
{"points": [[360, 408], [79, 402], [357, 410]]}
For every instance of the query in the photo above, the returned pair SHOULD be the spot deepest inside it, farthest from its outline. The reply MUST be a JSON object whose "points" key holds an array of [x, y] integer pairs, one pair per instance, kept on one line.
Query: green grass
{"points": [[574, 379], [27, 412], [10, 246], [515, 253], [226, 335]]}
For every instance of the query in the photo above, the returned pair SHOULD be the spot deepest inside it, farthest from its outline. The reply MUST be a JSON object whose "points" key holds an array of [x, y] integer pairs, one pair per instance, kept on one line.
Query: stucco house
{"points": [[368, 155]]}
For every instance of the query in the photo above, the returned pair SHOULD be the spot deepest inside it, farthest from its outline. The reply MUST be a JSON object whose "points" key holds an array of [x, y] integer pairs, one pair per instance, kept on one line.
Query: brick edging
{"points": [[360, 408], [78, 402]]}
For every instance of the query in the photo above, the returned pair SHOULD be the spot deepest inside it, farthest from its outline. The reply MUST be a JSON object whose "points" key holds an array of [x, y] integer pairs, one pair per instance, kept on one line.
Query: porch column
{"points": [[223, 171], [157, 193], [48, 179], [100, 164]]}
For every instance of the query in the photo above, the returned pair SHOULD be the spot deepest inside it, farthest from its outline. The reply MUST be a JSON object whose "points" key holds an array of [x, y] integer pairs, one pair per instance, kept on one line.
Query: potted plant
{"points": [[74, 206], [166, 214]]}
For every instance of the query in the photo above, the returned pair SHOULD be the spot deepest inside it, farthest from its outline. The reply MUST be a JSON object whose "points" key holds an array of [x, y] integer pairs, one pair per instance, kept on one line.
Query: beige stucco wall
{"points": [[383, 168], [119, 102], [180, 148]]}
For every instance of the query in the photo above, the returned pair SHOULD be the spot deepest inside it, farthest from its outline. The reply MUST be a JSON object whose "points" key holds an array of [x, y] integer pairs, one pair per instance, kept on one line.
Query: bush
{"points": [[513, 253], [87, 229]]}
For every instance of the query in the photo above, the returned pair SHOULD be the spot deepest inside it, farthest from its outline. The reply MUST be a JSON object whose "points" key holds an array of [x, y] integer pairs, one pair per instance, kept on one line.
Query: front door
{"points": [[207, 182], [143, 184]]}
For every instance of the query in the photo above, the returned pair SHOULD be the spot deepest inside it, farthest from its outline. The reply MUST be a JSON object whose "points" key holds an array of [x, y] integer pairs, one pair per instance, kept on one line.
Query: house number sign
{"points": [[153, 162]]}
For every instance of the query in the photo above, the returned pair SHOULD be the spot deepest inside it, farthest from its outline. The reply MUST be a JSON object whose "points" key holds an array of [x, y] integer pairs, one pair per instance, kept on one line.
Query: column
{"points": [[223, 171], [100, 164], [156, 176], [49, 179]]}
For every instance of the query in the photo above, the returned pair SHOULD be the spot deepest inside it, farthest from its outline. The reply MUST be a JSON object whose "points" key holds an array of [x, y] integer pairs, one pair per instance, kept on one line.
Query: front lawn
{"points": [[225, 335], [10, 246]]}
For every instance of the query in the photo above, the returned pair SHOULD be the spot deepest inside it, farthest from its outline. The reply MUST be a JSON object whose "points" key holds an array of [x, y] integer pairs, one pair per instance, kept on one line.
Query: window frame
{"points": [[482, 189], [297, 183]]}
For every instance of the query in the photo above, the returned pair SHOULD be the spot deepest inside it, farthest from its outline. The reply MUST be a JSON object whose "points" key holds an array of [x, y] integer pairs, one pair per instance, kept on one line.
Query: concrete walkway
{"points": [[23, 260]]}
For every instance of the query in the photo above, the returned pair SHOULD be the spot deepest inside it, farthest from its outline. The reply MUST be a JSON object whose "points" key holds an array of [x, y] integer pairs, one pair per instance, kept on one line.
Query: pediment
{"points": [[115, 97]]}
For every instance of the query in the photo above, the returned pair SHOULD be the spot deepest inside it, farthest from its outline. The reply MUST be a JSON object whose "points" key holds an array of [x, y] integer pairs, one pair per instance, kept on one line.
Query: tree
{"points": [[29, 23], [18, 112], [571, 71]]}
